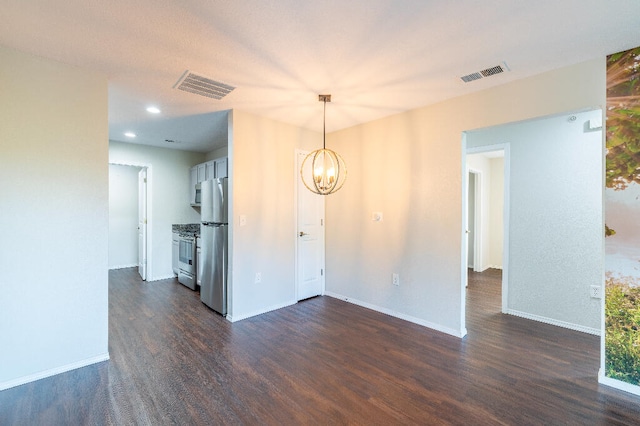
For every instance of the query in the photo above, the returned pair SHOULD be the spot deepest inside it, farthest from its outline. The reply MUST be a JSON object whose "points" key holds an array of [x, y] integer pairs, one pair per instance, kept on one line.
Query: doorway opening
{"points": [[142, 223], [485, 232], [474, 217], [129, 217]]}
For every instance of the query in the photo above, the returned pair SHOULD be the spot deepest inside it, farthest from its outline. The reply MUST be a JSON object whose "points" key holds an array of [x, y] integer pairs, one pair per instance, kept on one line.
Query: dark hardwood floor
{"points": [[322, 361]]}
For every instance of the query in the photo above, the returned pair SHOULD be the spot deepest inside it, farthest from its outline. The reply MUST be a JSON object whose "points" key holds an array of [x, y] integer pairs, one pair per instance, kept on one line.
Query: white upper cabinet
{"points": [[221, 167], [210, 170], [193, 180], [205, 171], [202, 172]]}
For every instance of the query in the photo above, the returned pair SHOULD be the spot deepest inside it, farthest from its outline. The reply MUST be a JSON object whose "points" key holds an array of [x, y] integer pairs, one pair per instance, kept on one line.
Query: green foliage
{"points": [[608, 231], [623, 119], [622, 330]]}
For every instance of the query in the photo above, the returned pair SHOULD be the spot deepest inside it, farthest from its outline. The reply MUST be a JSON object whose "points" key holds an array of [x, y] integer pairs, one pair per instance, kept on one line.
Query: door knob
{"points": [[302, 234]]}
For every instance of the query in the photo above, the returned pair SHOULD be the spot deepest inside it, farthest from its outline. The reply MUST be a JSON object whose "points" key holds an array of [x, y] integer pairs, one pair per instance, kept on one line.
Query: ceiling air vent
{"points": [[471, 77], [485, 73], [203, 86]]}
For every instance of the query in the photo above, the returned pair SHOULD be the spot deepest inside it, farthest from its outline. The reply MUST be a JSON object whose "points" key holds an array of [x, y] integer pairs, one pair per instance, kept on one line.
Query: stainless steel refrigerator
{"points": [[214, 232]]}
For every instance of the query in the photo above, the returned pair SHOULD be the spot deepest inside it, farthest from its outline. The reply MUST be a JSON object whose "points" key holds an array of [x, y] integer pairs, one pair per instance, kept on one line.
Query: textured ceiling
{"points": [[376, 57]]}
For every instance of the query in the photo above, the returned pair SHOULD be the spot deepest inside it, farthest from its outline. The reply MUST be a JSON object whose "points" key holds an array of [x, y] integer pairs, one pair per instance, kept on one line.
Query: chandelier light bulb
{"points": [[331, 174]]}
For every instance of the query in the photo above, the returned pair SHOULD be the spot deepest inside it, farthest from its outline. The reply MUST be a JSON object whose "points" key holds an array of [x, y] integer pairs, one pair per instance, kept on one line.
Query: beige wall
{"points": [[261, 166], [123, 216], [217, 153], [409, 166], [53, 218]]}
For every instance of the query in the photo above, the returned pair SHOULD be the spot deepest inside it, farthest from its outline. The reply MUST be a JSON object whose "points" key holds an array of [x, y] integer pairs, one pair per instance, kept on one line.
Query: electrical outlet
{"points": [[396, 279], [596, 292], [243, 220], [258, 277]]}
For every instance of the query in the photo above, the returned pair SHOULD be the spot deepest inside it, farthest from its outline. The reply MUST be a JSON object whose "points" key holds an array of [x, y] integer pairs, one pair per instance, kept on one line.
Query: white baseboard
{"points": [[552, 321], [260, 312], [52, 372], [618, 384], [433, 326], [162, 277], [124, 266], [485, 267], [149, 277]]}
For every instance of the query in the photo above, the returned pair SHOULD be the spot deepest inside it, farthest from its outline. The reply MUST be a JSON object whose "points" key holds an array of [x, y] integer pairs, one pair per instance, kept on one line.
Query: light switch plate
{"points": [[595, 123], [376, 216]]}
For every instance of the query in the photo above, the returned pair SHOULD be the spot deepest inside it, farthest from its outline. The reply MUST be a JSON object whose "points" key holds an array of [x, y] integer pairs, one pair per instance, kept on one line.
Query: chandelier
{"points": [[323, 171]]}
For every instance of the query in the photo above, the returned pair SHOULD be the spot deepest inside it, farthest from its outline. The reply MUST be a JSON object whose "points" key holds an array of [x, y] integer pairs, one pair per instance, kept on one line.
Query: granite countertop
{"points": [[186, 229]]}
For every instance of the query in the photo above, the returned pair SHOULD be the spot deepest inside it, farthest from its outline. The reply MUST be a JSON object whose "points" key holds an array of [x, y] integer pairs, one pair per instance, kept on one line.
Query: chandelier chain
{"points": [[324, 124]]}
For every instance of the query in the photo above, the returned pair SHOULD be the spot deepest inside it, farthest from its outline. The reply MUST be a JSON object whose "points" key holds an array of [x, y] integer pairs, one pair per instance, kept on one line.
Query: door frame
{"points": [[477, 218], [505, 221], [142, 233], [148, 209], [297, 186]]}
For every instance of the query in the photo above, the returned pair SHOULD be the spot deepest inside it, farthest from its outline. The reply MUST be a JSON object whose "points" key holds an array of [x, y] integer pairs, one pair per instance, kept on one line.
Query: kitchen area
{"points": [[187, 203], [200, 250]]}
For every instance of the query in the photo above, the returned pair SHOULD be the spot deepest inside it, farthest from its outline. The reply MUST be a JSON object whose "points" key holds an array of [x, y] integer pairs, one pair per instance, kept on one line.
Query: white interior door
{"points": [[471, 221], [142, 223], [309, 237]]}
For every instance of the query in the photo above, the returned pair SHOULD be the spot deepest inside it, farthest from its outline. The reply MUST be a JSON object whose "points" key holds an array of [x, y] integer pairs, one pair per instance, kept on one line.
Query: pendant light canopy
{"points": [[323, 171]]}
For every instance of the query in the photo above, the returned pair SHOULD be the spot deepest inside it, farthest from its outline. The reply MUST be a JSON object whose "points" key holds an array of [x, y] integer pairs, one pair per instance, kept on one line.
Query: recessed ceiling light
{"points": [[153, 110], [130, 134]]}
